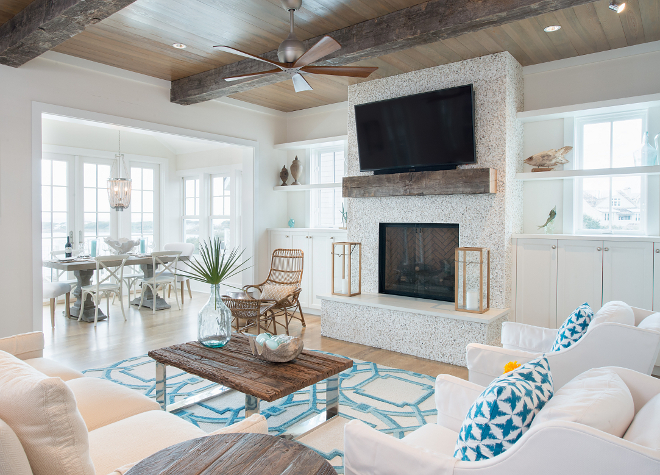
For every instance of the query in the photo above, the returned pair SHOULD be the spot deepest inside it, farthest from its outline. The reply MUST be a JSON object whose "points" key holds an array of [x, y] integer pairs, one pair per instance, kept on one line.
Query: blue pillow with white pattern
{"points": [[504, 411], [573, 328]]}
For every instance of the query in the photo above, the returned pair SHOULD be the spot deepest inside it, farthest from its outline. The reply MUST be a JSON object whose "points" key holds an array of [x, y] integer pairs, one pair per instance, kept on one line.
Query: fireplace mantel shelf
{"points": [[419, 306]]}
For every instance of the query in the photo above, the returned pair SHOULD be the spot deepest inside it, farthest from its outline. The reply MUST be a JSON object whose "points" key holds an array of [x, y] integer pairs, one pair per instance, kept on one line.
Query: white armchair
{"points": [[546, 449], [607, 344]]}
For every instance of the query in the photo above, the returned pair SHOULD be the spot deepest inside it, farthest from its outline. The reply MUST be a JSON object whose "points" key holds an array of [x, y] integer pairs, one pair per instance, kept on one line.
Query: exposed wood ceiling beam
{"points": [[414, 26], [44, 24]]}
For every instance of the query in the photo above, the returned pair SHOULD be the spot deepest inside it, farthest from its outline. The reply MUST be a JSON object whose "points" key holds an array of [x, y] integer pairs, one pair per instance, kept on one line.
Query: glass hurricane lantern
{"points": [[346, 268], [472, 287]]}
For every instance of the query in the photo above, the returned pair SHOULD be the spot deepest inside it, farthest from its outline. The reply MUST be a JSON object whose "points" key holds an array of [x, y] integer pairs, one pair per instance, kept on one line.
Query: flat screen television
{"points": [[429, 131]]}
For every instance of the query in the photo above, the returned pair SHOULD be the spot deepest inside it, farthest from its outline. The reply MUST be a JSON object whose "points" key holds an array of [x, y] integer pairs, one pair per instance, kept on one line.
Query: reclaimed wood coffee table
{"points": [[235, 454], [235, 367]]}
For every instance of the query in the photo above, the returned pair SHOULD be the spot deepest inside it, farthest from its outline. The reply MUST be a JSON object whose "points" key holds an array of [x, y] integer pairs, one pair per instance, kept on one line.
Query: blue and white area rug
{"points": [[393, 401]]}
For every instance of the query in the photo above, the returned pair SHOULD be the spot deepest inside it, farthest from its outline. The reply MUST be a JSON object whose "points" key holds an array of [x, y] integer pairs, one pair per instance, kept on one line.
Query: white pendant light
{"points": [[119, 189]]}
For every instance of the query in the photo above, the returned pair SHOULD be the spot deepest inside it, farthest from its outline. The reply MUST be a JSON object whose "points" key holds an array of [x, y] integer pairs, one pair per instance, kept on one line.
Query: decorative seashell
{"points": [[123, 245], [550, 158], [289, 349]]}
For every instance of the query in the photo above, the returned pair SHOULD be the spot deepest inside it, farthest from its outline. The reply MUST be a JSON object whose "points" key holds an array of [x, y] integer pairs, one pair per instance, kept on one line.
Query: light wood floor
{"points": [[81, 346]]}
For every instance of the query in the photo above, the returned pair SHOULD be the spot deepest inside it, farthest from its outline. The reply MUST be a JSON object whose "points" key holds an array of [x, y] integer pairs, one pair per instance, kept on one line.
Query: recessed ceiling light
{"points": [[617, 7], [179, 46], [551, 28]]}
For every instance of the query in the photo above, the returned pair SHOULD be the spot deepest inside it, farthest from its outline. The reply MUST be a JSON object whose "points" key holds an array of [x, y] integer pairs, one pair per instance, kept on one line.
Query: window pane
{"points": [[217, 186], [59, 224], [147, 223], [627, 214], [191, 232], [217, 206], [58, 244], [136, 201], [148, 204], [103, 224], [227, 207], [104, 174], [59, 173], [89, 175], [222, 229], [45, 249], [90, 224], [59, 198], [45, 198], [89, 200], [136, 223], [103, 202], [190, 188], [147, 179], [596, 203], [626, 138], [190, 206], [45, 224], [227, 185], [596, 146], [45, 172], [136, 176]]}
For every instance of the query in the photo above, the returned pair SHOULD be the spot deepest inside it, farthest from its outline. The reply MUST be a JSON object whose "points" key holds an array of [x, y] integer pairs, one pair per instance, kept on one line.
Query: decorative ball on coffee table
{"points": [[276, 349]]}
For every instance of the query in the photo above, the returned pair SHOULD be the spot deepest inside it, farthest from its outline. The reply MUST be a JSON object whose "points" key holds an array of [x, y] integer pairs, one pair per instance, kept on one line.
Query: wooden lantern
{"points": [[346, 268], [472, 288]]}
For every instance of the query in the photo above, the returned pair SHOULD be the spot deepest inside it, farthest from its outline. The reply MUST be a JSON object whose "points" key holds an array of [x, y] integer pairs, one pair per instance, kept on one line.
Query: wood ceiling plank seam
{"points": [[534, 27], [488, 41], [425, 60], [573, 28], [632, 23], [431, 53], [321, 11], [396, 62], [458, 48], [559, 38], [413, 62], [470, 42], [534, 50], [444, 51], [503, 38], [650, 12], [360, 10], [586, 15], [611, 25]]}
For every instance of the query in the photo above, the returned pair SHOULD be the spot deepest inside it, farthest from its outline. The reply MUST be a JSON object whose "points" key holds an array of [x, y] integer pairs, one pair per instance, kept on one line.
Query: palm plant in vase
{"points": [[215, 266]]}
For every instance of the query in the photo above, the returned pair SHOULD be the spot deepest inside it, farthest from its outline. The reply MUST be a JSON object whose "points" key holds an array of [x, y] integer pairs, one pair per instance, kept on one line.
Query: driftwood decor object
{"points": [[472, 288], [407, 28], [548, 160], [346, 268], [444, 182]]}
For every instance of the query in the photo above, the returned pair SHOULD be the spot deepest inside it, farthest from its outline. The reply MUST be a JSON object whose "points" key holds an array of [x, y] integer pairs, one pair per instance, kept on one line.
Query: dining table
{"points": [[83, 270]]}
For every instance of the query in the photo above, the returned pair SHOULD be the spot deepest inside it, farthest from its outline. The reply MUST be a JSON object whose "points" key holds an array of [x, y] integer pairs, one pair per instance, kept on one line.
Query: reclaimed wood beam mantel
{"points": [[44, 24], [443, 182], [414, 26]]}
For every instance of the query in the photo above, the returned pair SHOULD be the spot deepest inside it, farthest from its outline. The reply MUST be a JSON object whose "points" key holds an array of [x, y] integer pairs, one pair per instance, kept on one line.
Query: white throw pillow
{"points": [[645, 427], [615, 311], [12, 456], [277, 291], [42, 412], [652, 322], [597, 398]]}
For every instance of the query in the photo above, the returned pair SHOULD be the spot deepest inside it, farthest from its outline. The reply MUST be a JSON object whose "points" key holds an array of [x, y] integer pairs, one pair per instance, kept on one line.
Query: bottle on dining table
{"points": [[68, 248]]}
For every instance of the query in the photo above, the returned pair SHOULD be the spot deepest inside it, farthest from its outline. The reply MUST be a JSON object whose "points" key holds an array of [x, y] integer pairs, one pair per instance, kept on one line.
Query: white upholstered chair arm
{"points": [[453, 398], [369, 452], [518, 336], [486, 363], [24, 346]]}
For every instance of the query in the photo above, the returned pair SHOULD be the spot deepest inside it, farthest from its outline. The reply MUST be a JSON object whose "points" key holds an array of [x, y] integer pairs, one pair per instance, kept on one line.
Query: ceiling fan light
{"points": [[551, 28], [290, 49], [617, 7]]}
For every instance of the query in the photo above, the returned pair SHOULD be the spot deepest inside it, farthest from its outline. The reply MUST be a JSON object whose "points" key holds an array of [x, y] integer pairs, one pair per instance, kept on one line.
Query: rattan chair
{"points": [[286, 268], [253, 311]]}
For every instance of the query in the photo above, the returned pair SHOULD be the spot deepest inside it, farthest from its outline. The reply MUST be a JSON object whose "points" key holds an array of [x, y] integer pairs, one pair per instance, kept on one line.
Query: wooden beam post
{"points": [[414, 26], [44, 24]]}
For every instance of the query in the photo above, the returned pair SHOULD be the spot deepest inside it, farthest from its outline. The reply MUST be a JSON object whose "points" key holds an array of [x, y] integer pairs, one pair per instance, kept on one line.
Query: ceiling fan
{"points": [[294, 60]]}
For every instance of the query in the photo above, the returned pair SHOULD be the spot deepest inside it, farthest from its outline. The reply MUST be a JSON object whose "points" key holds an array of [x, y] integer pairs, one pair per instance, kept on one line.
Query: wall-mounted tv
{"points": [[429, 131]]}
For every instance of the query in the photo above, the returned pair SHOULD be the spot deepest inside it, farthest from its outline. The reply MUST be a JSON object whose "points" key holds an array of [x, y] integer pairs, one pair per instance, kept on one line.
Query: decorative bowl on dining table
{"points": [[276, 349], [123, 245]]}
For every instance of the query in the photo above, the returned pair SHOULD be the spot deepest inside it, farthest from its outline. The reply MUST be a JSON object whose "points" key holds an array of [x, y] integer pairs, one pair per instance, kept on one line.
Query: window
{"points": [[191, 214], [327, 167], [607, 204], [96, 206], [54, 207], [221, 209], [142, 204]]}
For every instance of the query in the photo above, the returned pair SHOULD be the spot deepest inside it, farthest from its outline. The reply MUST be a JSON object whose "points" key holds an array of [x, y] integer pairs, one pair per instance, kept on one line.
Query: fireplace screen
{"points": [[417, 260]]}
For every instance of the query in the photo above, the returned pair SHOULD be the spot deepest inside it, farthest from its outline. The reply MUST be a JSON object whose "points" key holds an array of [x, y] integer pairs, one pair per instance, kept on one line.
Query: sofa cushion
{"points": [[137, 437], [652, 322], [434, 438], [13, 460], [42, 412], [103, 402], [54, 369], [23, 346], [614, 311], [597, 398], [645, 427], [504, 411], [255, 424], [573, 327]]}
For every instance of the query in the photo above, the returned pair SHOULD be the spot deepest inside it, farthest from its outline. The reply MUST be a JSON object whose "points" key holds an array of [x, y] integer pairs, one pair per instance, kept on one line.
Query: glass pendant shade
{"points": [[119, 193]]}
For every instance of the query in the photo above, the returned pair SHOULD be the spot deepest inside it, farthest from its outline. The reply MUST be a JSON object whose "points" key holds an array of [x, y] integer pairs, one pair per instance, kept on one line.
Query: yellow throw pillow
{"points": [[277, 291]]}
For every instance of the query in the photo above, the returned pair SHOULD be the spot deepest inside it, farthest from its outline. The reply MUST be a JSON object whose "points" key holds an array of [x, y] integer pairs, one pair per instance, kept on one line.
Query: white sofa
{"points": [[549, 448], [606, 344], [121, 426]]}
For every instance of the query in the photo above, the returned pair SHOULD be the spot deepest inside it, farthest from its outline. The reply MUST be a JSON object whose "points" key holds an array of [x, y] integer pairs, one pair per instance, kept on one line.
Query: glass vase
{"points": [[214, 321]]}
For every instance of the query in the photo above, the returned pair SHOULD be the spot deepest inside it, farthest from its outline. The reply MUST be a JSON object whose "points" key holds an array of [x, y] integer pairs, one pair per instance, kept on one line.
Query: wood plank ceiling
{"points": [[139, 38]]}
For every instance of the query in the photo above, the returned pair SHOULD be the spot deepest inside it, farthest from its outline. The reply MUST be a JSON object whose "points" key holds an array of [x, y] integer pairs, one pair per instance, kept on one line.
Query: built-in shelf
{"points": [[322, 142], [598, 172], [290, 188]]}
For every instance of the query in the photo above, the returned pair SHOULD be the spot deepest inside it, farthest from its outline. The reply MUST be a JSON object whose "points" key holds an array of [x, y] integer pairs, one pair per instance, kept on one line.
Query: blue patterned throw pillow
{"points": [[574, 327], [504, 411]]}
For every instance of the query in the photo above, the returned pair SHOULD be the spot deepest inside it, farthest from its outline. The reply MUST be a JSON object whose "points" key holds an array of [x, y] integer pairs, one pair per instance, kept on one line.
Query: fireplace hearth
{"points": [[417, 260]]}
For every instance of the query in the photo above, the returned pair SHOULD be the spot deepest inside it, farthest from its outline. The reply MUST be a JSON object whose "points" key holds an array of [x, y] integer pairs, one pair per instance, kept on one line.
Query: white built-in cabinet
{"points": [[554, 276], [316, 245]]}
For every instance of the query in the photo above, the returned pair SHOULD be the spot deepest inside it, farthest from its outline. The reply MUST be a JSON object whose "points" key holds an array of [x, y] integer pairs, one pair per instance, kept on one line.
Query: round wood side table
{"points": [[235, 454]]}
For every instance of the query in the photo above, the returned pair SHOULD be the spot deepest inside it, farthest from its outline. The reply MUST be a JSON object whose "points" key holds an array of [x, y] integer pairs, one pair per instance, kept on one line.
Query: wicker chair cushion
{"points": [[277, 291]]}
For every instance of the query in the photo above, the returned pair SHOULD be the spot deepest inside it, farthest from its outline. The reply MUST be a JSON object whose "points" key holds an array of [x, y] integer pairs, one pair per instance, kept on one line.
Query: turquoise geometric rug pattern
{"points": [[393, 401]]}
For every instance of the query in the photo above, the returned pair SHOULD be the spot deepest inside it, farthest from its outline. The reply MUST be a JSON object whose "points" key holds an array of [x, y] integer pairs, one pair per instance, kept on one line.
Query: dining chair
{"points": [[59, 273], [187, 250], [53, 290], [161, 278], [104, 286]]}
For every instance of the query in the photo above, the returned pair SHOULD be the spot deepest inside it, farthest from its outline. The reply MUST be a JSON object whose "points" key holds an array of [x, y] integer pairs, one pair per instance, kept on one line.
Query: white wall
{"points": [[47, 81], [209, 158]]}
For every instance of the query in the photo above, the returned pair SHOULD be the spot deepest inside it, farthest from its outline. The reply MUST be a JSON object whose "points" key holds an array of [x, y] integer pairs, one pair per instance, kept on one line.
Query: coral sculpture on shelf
{"points": [[546, 161], [510, 366]]}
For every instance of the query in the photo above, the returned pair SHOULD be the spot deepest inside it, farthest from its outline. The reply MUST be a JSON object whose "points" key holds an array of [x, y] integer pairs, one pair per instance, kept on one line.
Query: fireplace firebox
{"points": [[417, 260]]}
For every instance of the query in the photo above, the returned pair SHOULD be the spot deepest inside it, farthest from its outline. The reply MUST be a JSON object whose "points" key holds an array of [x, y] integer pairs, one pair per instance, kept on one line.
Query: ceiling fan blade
{"points": [[228, 49], [348, 71], [251, 75], [324, 47], [300, 83]]}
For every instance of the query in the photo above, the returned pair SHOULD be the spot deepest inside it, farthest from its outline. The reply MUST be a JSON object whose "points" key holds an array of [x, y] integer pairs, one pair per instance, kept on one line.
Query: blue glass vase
{"points": [[214, 321]]}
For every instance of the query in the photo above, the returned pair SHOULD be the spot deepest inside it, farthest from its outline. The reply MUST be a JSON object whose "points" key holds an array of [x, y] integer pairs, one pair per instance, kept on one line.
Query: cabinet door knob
{"points": [[607, 248], [657, 251], [598, 249], [287, 236], [554, 247]]}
